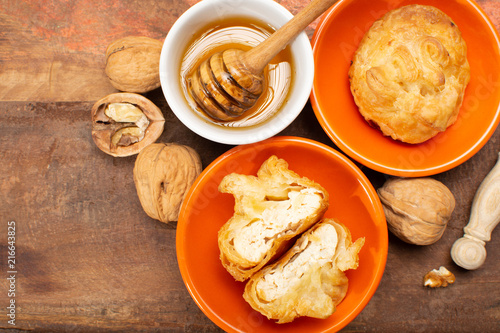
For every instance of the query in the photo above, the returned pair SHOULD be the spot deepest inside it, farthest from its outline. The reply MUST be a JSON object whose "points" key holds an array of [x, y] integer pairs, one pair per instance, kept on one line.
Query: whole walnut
{"points": [[163, 174], [132, 64], [417, 209]]}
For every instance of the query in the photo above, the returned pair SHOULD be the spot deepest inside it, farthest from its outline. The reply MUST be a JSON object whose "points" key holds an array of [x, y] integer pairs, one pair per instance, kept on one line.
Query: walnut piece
{"points": [[127, 113], [417, 209], [124, 123], [439, 278], [132, 64], [163, 174]]}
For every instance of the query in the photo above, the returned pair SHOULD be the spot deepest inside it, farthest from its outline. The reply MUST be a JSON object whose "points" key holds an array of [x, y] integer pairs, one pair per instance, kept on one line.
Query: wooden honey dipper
{"points": [[228, 83]]}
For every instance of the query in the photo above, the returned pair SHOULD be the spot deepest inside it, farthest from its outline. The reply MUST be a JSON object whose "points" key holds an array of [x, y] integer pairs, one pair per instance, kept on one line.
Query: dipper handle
{"points": [[258, 57]]}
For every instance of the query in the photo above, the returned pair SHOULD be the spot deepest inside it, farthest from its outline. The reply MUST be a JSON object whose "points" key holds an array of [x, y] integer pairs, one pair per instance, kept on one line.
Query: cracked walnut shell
{"points": [[163, 174], [417, 209], [124, 123]]}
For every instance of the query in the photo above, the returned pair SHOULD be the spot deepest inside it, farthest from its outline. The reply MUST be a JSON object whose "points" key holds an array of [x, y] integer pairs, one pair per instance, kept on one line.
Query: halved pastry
{"points": [[269, 211], [309, 279]]}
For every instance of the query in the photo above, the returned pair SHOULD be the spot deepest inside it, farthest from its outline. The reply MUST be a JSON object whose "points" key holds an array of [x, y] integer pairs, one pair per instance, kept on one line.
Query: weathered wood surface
{"points": [[89, 259]]}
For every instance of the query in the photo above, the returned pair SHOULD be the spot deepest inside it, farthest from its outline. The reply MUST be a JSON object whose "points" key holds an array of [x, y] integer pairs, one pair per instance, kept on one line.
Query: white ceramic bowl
{"points": [[199, 16]]}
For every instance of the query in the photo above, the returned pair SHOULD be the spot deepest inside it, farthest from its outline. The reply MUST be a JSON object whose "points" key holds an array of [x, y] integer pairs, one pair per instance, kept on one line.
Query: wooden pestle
{"points": [[228, 83], [469, 252]]}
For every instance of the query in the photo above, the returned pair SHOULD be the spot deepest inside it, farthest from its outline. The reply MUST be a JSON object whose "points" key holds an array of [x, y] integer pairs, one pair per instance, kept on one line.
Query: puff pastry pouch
{"points": [[309, 279], [409, 73], [270, 209]]}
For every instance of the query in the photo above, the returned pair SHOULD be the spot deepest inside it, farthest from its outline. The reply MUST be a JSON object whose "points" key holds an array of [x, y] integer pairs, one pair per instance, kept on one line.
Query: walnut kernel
{"points": [[439, 278]]}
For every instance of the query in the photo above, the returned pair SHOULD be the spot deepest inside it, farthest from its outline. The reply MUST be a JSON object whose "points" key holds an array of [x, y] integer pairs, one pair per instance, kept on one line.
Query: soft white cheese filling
{"points": [[254, 240], [318, 251]]}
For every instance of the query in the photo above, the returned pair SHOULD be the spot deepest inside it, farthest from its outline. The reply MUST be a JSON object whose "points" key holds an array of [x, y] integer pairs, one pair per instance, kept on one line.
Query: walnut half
{"points": [[124, 123]]}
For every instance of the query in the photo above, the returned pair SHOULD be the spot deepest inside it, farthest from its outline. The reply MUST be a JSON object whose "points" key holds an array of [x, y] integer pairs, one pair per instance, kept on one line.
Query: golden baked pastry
{"points": [[269, 211], [309, 279], [409, 74]]}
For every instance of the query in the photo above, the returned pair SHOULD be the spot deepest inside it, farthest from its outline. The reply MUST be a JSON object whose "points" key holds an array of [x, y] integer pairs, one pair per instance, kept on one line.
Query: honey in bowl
{"points": [[239, 33]]}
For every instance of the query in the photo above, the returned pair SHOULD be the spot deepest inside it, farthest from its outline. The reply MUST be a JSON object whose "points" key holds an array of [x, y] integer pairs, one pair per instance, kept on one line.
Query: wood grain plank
{"points": [[58, 53]]}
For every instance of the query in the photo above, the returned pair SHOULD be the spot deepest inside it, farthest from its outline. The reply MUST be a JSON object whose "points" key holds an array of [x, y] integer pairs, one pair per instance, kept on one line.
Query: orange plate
{"points": [[334, 43], [353, 201]]}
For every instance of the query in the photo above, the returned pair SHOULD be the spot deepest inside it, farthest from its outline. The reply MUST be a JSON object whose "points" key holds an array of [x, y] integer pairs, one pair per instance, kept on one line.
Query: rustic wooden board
{"points": [[89, 259]]}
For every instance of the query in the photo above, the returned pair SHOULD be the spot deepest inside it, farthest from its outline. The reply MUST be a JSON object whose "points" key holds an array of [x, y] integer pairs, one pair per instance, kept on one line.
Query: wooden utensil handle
{"points": [[257, 58], [469, 251]]}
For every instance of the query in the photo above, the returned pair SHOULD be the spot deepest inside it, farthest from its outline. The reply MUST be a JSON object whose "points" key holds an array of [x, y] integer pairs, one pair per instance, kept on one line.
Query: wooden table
{"points": [[87, 256]]}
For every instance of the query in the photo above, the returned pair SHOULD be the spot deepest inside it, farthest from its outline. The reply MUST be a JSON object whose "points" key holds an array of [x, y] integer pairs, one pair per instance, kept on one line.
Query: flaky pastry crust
{"points": [[409, 74], [269, 211], [309, 279]]}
